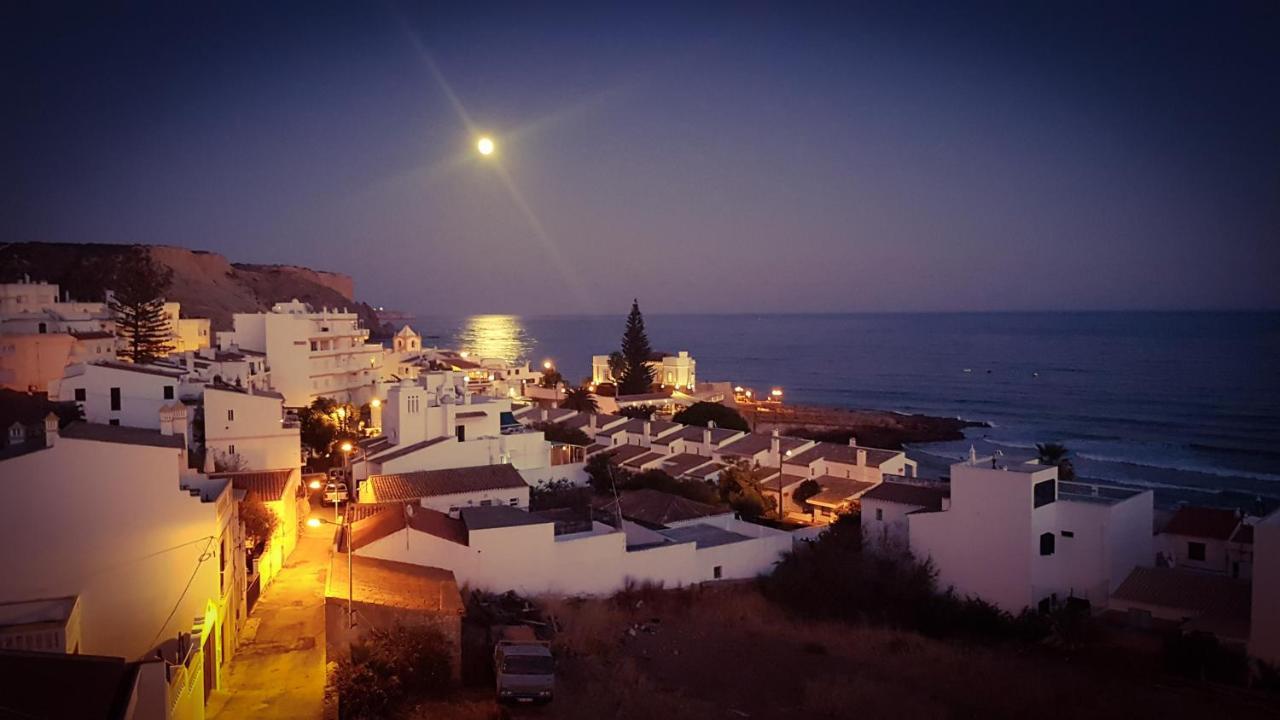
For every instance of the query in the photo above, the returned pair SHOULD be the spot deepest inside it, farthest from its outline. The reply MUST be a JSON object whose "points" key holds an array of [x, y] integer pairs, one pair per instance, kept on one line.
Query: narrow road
{"points": [[279, 671]]}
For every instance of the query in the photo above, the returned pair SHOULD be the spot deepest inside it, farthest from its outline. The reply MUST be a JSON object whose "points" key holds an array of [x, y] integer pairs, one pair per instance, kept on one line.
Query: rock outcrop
{"points": [[206, 283]]}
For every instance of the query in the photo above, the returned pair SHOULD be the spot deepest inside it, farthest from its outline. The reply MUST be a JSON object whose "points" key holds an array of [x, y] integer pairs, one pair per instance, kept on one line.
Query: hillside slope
{"points": [[207, 284]]}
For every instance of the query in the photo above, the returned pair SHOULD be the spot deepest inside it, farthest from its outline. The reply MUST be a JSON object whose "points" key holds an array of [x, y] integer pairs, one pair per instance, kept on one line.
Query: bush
{"points": [[806, 490], [700, 413], [602, 472], [558, 433], [834, 578], [638, 412], [558, 494], [391, 668], [259, 522]]}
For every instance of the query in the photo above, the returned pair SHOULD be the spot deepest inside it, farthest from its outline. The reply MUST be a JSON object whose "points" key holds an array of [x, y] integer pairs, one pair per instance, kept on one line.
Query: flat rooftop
{"points": [[706, 536]]}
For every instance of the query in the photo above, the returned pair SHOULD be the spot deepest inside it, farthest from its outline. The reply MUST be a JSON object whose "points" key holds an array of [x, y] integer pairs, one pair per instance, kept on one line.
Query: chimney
{"points": [[50, 429], [591, 423], [166, 419], [466, 398], [545, 415], [706, 434], [862, 457], [853, 441], [648, 428], [775, 444]]}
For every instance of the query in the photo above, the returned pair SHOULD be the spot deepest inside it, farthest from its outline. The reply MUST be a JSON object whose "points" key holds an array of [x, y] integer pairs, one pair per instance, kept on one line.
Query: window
{"points": [[43, 328], [1046, 543], [231, 449], [717, 572], [115, 398], [461, 430], [1045, 492], [231, 415], [515, 502], [1195, 551], [486, 503], [168, 392], [80, 395], [879, 514], [113, 421]]}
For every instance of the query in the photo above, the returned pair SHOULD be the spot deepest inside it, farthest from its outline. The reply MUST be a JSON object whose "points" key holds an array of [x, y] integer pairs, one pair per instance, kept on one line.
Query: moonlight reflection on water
{"points": [[495, 336]]}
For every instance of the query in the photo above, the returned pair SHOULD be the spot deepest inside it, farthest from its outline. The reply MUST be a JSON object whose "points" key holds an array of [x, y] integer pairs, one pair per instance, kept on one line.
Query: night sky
{"points": [[734, 159]]}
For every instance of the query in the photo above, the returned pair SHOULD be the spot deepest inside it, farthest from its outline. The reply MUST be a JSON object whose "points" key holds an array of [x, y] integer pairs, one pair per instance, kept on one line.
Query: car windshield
{"points": [[528, 665]]}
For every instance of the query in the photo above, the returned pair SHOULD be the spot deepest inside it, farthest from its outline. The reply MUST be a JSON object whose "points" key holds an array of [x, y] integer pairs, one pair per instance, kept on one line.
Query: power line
{"points": [[204, 557]]}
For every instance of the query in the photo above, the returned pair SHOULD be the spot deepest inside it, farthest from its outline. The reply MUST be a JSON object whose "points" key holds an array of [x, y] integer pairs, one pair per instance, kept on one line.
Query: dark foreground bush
{"points": [[391, 668], [833, 578]]}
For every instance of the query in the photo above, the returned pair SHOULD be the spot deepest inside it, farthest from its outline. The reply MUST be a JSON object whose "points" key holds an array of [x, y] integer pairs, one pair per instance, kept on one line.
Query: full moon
{"points": [[485, 146]]}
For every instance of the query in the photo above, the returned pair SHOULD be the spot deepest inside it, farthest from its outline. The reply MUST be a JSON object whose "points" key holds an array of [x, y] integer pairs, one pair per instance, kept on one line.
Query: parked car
{"points": [[523, 665], [335, 493]]}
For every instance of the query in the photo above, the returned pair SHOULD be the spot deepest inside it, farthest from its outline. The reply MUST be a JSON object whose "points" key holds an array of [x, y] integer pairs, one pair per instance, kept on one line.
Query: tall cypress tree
{"points": [[137, 301], [637, 376]]}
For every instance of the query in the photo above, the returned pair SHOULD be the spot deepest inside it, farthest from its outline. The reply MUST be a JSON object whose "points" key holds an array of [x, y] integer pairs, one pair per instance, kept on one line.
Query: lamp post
{"points": [[345, 525], [346, 456], [780, 456]]}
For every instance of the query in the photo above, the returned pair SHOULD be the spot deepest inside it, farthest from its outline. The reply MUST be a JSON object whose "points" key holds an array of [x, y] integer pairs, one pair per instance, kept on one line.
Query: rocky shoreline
{"points": [[871, 428]]}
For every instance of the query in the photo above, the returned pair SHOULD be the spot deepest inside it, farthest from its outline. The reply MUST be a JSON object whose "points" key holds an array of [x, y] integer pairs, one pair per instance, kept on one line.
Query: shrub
{"points": [[558, 433], [393, 667], [259, 522], [558, 494], [700, 413], [806, 490], [602, 473], [638, 412]]}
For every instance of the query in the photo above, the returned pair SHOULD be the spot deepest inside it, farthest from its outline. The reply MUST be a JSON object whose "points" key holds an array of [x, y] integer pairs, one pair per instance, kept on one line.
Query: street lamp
{"points": [[375, 403], [316, 522], [485, 146], [314, 485], [546, 365], [780, 456]]}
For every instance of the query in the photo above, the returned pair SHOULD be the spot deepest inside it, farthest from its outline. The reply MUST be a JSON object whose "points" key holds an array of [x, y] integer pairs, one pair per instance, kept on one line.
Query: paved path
{"points": [[279, 672]]}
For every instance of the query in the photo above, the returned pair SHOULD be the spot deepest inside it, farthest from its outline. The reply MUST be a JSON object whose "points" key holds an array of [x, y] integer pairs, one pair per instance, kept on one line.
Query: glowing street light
{"points": [[485, 146], [375, 403], [777, 394], [314, 522], [546, 365], [314, 484], [346, 447]]}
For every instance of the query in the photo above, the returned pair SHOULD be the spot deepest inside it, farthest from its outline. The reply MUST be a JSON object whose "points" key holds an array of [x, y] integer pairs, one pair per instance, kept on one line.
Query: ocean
{"points": [[1184, 402]]}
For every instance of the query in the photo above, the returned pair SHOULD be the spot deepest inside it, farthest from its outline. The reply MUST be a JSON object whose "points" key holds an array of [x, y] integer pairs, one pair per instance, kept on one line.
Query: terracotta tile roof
{"points": [[843, 454], [923, 496], [677, 465], [838, 490], [143, 369], [582, 421], [639, 461], [122, 435], [92, 335], [471, 414], [704, 471], [655, 508], [623, 453], [595, 448], [372, 446], [643, 397], [373, 521], [430, 483], [1215, 603], [398, 451], [58, 685], [754, 443], [1203, 522], [694, 433], [406, 586], [261, 485], [499, 516]]}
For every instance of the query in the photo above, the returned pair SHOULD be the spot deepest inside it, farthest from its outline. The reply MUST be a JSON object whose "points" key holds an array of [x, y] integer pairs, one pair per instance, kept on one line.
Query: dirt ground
{"points": [[725, 652]]}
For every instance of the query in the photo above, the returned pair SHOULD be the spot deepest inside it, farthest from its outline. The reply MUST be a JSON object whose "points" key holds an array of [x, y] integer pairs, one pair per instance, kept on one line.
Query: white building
{"points": [[450, 489], [248, 430], [1210, 539], [120, 393], [311, 354], [1264, 630], [502, 548], [434, 422], [1017, 537], [153, 556], [677, 371], [886, 506]]}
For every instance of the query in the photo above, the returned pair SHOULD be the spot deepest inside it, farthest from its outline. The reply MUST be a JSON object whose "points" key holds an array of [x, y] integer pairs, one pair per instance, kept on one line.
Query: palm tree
{"points": [[579, 399], [1056, 454]]}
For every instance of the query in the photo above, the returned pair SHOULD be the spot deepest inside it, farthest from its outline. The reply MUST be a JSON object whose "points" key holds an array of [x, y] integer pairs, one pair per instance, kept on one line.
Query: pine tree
{"points": [[137, 301], [637, 375]]}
